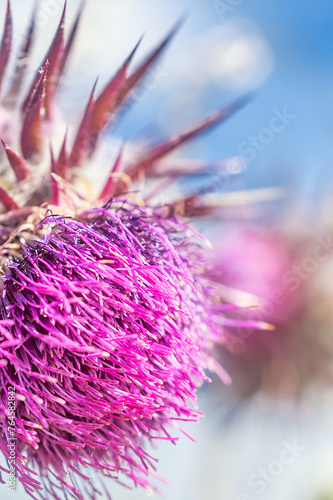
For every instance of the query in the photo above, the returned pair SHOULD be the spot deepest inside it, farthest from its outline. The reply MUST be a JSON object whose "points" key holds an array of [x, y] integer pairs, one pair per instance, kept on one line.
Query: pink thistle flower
{"points": [[107, 318], [285, 362]]}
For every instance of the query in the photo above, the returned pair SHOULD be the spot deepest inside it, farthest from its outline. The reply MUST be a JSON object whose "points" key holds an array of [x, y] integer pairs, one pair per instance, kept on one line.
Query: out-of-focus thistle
{"points": [[288, 268], [107, 320]]}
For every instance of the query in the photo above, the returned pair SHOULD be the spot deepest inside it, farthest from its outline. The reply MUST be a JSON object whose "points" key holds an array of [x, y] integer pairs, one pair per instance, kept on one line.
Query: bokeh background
{"points": [[270, 435]]}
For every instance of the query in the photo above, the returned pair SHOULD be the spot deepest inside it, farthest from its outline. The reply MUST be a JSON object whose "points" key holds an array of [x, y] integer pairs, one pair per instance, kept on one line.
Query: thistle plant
{"points": [[107, 317]]}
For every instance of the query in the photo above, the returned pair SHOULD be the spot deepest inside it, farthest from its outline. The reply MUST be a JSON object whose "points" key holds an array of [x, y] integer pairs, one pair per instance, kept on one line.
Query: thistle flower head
{"points": [[110, 334], [107, 321]]}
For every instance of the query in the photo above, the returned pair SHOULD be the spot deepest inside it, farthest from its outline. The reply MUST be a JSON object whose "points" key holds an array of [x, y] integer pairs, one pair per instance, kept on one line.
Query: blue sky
{"points": [[300, 37]]}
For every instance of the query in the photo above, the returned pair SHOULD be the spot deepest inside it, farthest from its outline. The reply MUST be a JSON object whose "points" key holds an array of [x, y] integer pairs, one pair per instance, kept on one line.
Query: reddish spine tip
{"points": [[69, 45], [22, 62], [32, 134], [55, 191], [108, 100], [108, 189], [63, 166], [148, 159], [53, 57], [82, 141], [18, 164], [6, 43], [7, 200], [134, 79]]}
